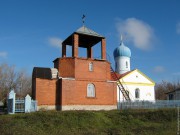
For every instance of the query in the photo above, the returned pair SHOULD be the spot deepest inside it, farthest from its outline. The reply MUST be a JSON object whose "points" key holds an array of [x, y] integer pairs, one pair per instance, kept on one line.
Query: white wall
{"points": [[146, 93], [121, 64], [135, 77], [137, 80]]}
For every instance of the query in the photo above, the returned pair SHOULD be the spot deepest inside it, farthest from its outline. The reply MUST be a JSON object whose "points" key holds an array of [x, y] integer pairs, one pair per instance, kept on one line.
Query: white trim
{"points": [[89, 107], [46, 107], [111, 81], [77, 107], [66, 78]]}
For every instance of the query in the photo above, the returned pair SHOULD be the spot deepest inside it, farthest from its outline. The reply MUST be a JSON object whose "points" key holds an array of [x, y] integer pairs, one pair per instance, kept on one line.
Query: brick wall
{"points": [[66, 68], [75, 93], [46, 91], [103, 49], [98, 73], [75, 45], [72, 92]]}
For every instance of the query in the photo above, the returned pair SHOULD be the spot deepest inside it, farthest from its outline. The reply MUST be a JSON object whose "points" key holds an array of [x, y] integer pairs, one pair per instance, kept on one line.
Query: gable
{"points": [[136, 77]]}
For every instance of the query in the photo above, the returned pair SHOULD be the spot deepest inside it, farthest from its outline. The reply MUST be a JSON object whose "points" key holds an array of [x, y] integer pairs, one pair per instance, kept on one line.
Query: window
{"points": [[126, 64], [137, 93], [171, 96], [90, 90], [90, 66]]}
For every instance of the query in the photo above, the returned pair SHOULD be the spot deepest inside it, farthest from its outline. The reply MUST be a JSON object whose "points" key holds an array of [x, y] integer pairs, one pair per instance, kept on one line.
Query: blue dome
{"points": [[122, 50]]}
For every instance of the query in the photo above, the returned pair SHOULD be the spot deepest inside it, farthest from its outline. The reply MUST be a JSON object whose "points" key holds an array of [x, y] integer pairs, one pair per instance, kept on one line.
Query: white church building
{"points": [[139, 86]]}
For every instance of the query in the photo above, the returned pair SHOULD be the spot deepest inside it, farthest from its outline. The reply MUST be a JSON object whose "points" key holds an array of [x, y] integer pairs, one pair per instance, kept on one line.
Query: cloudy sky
{"points": [[31, 32]]}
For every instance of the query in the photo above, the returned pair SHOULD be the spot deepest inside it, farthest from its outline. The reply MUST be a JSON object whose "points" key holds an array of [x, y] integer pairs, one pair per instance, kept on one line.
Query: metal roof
{"points": [[87, 37], [172, 91], [45, 73], [122, 50], [87, 31]]}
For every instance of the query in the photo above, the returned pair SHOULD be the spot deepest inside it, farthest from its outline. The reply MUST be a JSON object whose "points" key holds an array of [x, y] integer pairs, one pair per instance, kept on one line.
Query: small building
{"points": [[138, 86], [1, 104], [76, 83], [173, 95]]}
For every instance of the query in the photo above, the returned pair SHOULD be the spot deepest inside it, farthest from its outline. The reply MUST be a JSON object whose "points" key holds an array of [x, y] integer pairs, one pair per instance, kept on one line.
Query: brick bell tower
{"points": [[82, 83]]}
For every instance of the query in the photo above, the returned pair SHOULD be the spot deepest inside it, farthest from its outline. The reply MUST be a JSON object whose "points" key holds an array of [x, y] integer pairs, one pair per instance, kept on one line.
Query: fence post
{"points": [[27, 103], [11, 102]]}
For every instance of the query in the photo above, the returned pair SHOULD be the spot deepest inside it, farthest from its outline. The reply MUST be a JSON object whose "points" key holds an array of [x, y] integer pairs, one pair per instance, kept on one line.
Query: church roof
{"points": [[87, 31], [44, 73], [121, 76], [122, 50], [41, 72], [87, 37]]}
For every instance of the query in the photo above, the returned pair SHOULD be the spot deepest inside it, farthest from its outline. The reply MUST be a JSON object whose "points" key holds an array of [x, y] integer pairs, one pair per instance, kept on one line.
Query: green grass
{"points": [[127, 122]]}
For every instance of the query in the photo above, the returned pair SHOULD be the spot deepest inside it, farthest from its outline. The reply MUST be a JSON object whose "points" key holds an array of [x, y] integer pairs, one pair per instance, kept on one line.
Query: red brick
{"points": [[74, 91]]}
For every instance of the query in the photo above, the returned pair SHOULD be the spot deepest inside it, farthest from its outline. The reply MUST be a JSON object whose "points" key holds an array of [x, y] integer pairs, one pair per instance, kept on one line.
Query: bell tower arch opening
{"points": [[84, 38]]}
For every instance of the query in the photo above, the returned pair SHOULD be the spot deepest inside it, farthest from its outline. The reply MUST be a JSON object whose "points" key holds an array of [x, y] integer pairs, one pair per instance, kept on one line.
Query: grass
{"points": [[126, 122]]}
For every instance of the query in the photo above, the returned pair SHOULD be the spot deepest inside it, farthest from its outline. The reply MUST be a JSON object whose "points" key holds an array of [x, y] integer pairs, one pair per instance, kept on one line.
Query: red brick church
{"points": [[76, 83]]}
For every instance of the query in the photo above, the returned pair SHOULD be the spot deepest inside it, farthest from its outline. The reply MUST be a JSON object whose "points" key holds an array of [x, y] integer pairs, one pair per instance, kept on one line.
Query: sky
{"points": [[31, 32]]}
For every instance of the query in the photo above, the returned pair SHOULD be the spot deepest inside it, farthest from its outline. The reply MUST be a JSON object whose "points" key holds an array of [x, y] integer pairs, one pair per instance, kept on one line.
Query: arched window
{"points": [[137, 93], [126, 64], [90, 90], [90, 66]]}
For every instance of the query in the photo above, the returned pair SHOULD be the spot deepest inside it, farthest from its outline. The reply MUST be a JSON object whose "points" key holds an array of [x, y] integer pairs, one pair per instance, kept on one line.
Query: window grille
{"points": [[90, 66], [90, 90]]}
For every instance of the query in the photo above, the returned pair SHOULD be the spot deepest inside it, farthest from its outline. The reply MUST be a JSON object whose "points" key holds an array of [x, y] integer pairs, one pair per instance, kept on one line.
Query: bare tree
{"points": [[12, 79], [162, 88], [23, 83], [7, 79]]}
